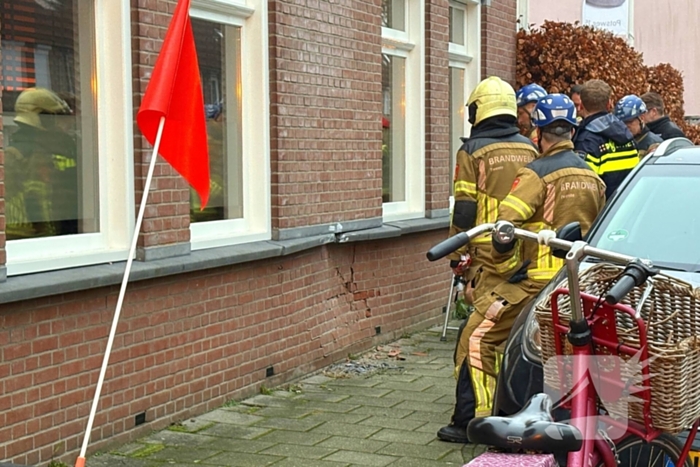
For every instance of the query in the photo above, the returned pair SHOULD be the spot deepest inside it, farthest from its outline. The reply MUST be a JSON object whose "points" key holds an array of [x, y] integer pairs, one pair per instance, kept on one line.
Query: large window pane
{"points": [[457, 102], [218, 52], [49, 118], [394, 129], [394, 14], [457, 26]]}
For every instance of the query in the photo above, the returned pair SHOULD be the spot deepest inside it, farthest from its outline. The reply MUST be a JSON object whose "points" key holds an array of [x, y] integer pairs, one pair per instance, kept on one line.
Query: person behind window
{"points": [[656, 118], [41, 174]]}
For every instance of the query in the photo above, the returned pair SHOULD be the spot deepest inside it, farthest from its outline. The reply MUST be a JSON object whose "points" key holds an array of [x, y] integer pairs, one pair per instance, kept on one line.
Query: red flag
{"points": [[175, 92]]}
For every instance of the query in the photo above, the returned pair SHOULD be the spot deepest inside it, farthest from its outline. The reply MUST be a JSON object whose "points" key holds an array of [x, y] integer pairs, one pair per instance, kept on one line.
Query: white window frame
{"points": [[467, 57], [112, 85], [410, 45], [251, 17]]}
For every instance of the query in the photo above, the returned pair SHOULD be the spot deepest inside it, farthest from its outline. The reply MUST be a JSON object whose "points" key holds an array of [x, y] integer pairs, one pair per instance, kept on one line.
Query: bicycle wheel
{"points": [[663, 451]]}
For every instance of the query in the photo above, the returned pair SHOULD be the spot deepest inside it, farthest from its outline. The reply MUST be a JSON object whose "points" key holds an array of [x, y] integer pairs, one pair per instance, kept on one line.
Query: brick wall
{"points": [[437, 110], [498, 39], [166, 219], [188, 343], [325, 87]]}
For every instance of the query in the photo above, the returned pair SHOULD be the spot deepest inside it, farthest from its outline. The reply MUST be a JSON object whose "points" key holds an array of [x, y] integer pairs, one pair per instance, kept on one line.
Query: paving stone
{"points": [[111, 460], [359, 391], [431, 427], [361, 458], [372, 401], [175, 438], [334, 417], [346, 429], [396, 423], [237, 459], [353, 444], [413, 462], [419, 385], [296, 462], [435, 452], [455, 456], [316, 380], [406, 378], [335, 407], [470, 451], [285, 412], [446, 399], [359, 382], [383, 411], [399, 436], [412, 396], [325, 396], [232, 417], [300, 451], [304, 424], [294, 437], [235, 432], [184, 454], [423, 407], [241, 445], [264, 400], [430, 417]]}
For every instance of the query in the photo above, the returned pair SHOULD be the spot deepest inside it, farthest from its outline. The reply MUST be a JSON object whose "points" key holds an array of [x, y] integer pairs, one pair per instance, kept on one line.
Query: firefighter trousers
{"points": [[480, 346]]}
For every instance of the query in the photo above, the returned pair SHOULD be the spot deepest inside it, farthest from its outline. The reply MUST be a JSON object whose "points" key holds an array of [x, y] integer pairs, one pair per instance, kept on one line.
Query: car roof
{"points": [[676, 151]]}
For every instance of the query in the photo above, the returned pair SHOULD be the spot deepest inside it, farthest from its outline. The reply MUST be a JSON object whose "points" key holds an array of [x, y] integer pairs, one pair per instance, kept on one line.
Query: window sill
{"points": [[72, 280]]}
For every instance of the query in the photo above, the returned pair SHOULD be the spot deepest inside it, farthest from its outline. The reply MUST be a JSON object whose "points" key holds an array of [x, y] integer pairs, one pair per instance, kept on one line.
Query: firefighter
{"points": [[548, 193], [42, 199], [631, 111], [602, 139], [486, 166], [526, 98]]}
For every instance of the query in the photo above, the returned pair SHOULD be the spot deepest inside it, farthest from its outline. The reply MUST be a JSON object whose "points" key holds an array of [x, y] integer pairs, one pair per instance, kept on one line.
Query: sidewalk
{"points": [[388, 418]]}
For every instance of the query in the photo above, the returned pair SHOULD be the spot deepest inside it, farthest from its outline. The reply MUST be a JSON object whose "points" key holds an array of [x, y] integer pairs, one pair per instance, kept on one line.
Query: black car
{"points": [[654, 214]]}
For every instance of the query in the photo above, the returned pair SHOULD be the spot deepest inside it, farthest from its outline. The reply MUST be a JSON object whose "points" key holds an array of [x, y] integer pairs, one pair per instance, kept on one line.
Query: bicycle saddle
{"points": [[531, 429]]}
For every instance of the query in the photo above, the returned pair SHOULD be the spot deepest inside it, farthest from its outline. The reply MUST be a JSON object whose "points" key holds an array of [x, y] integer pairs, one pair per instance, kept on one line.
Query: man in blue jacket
{"points": [[602, 139]]}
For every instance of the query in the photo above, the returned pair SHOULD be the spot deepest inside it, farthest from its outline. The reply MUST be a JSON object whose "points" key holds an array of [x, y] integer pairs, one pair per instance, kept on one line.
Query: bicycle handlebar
{"points": [[505, 232]]}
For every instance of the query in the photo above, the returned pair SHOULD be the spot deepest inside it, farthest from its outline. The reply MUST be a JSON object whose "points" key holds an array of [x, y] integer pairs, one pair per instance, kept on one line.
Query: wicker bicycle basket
{"points": [[672, 316]]}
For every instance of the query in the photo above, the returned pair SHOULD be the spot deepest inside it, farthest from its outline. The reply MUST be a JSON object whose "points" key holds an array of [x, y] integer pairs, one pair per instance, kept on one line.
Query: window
{"points": [[403, 118], [230, 42], [59, 144], [464, 68]]}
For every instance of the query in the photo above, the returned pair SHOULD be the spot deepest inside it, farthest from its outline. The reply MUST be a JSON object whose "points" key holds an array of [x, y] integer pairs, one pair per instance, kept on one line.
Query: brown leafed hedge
{"points": [[560, 55]]}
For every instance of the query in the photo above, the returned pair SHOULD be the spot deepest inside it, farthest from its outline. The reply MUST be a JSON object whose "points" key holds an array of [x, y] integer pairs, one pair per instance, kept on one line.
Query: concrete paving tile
{"points": [[470, 451], [400, 436], [423, 407], [406, 378], [359, 391], [237, 459], [455, 457], [395, 423], [241, 445], [372, 401], [294, 437], [383, 411], [285, 412], [358, 382], [232, 417], [361, 458], [325, 396], [300, 451], [296, 462], [111, 460], [412, 396], [174, 438], [335, 407], [436, 452], [353, 444], [303, 424], [446, 399], [316, 380], [413, 462], [436, 417], [419, 385], [346, 429], [345, 418], [184, 454], [431, 427], [226, 430], [264, 400]]}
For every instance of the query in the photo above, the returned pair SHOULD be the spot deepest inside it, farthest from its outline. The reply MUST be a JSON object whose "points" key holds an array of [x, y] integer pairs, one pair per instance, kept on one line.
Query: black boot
{"points": [[453, 434]]}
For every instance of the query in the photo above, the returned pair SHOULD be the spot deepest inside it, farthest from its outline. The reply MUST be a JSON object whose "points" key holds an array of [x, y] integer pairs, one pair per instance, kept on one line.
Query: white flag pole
{"points": [[80, 462]]}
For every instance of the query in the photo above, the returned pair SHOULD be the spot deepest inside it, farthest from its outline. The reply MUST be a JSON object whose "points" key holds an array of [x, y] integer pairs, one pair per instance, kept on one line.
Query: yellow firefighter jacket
{"points": [[550, 192], [486, 167]]}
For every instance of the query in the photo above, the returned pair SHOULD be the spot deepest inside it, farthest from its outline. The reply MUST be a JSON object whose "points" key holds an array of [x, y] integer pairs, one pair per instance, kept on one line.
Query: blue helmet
{"points": [[630, 107], [554, 107], [529, 93]]}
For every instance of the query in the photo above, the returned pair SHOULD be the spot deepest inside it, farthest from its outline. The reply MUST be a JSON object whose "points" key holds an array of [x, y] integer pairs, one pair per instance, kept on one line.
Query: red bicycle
{"points": [[589, 337]]}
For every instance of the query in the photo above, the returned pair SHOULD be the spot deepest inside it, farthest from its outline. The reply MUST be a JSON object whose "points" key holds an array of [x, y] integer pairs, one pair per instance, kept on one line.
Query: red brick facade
{"points": [[498, 39], [189, 342]]}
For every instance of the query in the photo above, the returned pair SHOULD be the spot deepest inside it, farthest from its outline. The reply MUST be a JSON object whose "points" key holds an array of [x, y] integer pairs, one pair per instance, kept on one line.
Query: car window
{"points": [[656, 217]]}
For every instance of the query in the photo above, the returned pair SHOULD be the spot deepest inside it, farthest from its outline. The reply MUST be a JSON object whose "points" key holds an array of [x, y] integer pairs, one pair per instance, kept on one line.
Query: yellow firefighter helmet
{"points": [[35, 101], [491, 97]]}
